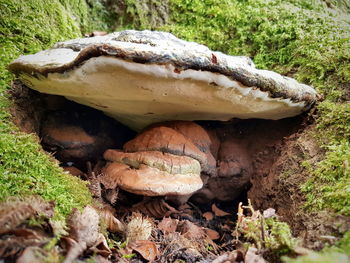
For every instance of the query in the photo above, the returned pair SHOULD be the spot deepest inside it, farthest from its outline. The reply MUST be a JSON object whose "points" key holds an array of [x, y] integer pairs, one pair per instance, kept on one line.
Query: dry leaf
{"points": [[100, 259], [190, 230], [147, 249], [112, 223], [74, 249], [218, 212], [10, 247], [156, 208], [74, 171], [32, 255], [226, 227], [83, 232], [185, 206], [208, 216], [228, 257], [252, 257], [101, 247], [168, 225], [212, 234], [14, 211]]}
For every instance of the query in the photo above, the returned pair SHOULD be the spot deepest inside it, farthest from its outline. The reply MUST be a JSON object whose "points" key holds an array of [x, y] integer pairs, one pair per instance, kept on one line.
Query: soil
{"points": [[276, 183]]}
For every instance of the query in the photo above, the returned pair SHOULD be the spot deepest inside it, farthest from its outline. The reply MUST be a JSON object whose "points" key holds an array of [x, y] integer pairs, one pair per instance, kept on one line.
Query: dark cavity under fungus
{"points": [[78, 136]]}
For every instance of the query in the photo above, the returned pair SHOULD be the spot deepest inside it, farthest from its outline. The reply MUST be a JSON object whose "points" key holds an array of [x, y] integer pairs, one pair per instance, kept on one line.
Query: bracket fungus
{"points": [[145, 77], [158, 84], [154, 158], [151, 173]]}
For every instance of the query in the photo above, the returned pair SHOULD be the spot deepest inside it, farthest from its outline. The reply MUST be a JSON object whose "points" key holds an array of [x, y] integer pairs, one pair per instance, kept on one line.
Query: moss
{"points": [[329, 181], [333, 123], [27, 27], [267, 234], [295, 36], [328, 185], [141, 14], [339, 253], [328, 256]]}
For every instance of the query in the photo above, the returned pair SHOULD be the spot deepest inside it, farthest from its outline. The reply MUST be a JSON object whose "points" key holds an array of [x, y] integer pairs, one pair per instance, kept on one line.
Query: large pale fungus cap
{"points": [[151, 173], [144, 77]]}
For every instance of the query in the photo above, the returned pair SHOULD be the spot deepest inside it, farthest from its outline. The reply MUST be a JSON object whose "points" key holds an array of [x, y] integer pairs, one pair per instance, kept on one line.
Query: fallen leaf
{"points": [[101, 247], [252, 257], [112, 223], [185, 206], [83, 232], [208, 216], [156, 208], [302, 251], [190, 230], [74, 171], [226, 227], [218, 212], [146, 248], [212, 234], [15, 211], [229, 257], [32, 255], [168, 225], [11, 246]]}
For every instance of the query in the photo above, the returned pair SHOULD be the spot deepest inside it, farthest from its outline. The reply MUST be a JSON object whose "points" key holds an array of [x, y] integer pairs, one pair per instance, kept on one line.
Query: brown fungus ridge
{"points": [[151, 173], [166, 140], [198, 136]]}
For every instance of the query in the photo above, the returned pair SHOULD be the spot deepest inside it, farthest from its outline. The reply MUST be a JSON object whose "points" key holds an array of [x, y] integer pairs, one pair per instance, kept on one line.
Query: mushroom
{"points": [[144, 77], [151, 173], [71, 141], [204, 140], [165, 139], [78, 137], [158, 162]]}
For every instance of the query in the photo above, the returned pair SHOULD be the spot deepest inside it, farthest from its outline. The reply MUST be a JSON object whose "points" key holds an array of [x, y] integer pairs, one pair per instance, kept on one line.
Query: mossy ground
{"points": [[27, 27], [300, 38]]}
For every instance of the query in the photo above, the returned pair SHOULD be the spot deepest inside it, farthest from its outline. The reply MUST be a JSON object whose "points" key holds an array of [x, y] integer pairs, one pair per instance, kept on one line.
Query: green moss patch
{"points": [[295, 36], [27, 27]]}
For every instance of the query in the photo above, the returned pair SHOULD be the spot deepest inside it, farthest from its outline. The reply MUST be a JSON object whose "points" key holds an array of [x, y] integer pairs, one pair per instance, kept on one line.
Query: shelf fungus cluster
{"points": [[158, 84]]}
